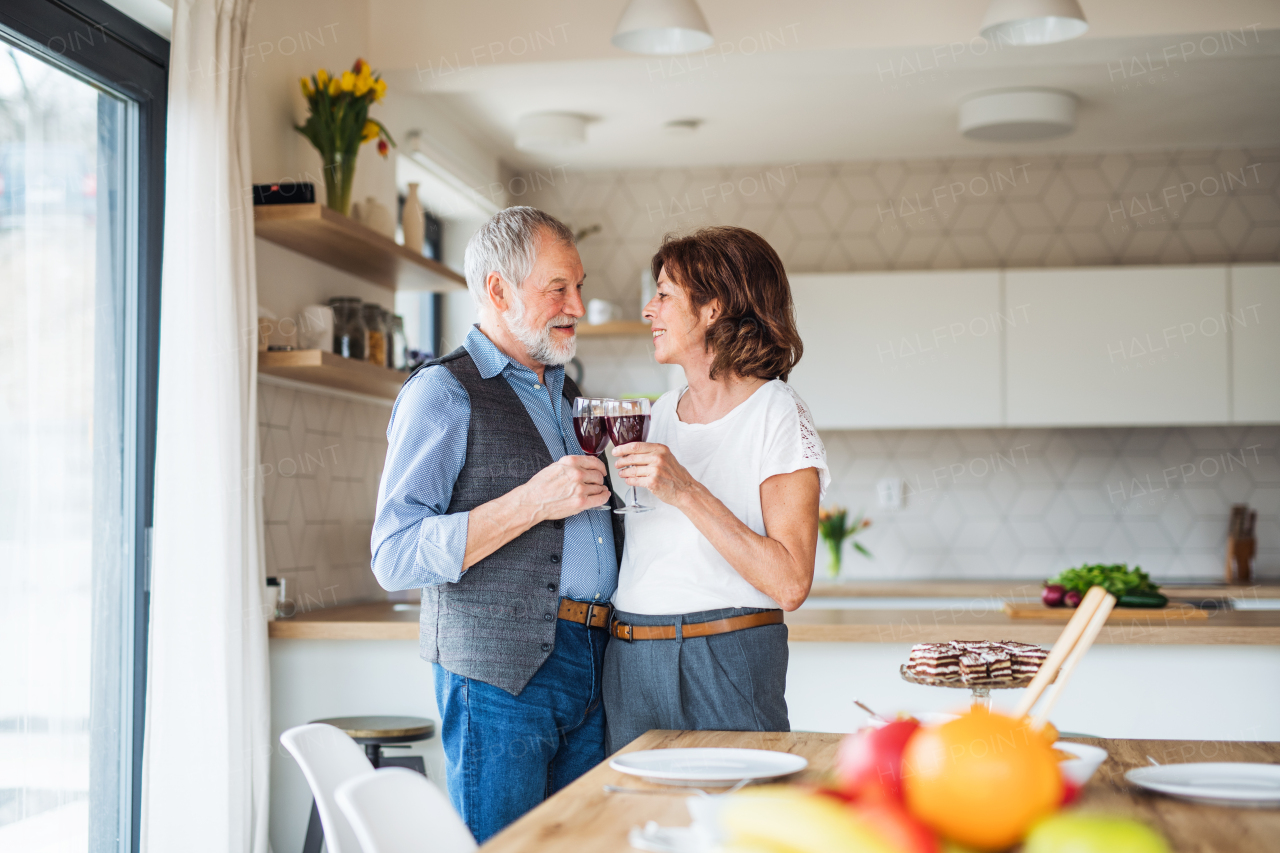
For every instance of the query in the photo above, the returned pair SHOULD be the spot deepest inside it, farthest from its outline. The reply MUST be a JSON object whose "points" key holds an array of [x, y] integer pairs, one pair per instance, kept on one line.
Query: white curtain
{"points": [[208, 746]]}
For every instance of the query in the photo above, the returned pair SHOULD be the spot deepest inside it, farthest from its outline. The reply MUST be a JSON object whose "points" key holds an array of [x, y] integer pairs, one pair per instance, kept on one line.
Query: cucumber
{"points": [[1142, 599]]}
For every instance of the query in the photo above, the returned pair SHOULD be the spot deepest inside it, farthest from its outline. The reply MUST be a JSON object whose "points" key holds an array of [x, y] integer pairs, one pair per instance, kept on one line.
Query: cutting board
{"points": [[1173, 612]]}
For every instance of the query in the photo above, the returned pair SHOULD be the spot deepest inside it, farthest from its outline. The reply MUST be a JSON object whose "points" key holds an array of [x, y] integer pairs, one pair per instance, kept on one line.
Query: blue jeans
{"points": [[505, 754]]}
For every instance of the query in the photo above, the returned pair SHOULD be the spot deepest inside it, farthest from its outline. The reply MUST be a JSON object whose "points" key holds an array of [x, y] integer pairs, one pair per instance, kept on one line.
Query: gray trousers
{"points": [[726, 682]]}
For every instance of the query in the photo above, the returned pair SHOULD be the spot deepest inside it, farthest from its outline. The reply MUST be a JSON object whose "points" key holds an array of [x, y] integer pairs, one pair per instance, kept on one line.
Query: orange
{"points": [[981, 779]]}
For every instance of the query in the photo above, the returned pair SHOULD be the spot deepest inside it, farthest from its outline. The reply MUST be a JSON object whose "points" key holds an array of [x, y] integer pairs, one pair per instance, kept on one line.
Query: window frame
{"points": [[97, 41]]}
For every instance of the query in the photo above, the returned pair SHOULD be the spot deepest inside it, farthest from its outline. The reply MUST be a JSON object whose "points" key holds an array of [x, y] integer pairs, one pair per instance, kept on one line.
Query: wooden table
{"points": [[583, 817]]}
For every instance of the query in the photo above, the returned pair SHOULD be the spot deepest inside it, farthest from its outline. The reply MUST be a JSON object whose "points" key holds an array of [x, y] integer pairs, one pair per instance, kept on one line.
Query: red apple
{"points": [[869, 763], [1070, 792], [895, 825]]}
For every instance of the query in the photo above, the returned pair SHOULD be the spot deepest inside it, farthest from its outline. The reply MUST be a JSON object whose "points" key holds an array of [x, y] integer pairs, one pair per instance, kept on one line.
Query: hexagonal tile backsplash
{"points": [[1026, 503], [321, 462], [1164, 207], [979, 503]]}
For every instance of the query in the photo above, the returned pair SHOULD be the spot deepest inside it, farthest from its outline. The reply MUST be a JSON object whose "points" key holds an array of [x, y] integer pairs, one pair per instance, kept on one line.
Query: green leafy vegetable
{"points": [[1116, 579]]}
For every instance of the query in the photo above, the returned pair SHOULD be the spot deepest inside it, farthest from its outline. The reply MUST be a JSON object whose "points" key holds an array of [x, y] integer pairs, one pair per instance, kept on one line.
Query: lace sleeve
{"points": [[811, 448]]}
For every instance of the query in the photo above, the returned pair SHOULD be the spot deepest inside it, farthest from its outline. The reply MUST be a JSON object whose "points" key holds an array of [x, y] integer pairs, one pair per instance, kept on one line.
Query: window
{"points": [[81, 122]]}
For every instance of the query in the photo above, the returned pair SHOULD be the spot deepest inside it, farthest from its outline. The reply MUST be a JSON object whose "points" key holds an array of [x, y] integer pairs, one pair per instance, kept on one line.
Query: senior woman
{"points": [[735, 471]]}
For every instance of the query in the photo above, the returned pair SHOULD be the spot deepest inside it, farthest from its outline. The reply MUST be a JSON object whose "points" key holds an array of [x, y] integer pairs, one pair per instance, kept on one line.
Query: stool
{"points": [[374, 733]]}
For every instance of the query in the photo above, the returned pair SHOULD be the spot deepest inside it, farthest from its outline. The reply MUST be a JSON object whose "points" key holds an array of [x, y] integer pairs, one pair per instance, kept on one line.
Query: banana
{"points": [[788, 820]]}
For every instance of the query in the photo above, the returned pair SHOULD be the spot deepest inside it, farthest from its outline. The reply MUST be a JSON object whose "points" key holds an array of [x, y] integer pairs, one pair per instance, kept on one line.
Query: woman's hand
{"points": [[655, 467]]}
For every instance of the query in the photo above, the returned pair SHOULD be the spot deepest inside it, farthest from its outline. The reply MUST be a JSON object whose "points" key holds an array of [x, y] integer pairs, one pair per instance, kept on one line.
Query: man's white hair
{"points": [[508, 245]]}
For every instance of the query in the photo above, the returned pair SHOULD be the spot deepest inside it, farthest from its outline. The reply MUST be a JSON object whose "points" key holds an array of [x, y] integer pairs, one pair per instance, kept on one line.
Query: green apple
{"points": [[1093, 833]]}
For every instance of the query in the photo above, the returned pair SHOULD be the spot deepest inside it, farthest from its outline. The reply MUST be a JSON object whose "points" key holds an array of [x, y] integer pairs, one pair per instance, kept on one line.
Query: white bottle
{"points": [[412, 221]]}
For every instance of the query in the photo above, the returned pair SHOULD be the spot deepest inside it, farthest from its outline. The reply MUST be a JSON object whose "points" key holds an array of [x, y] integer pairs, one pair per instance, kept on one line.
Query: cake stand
{"points": [[980, 691]]}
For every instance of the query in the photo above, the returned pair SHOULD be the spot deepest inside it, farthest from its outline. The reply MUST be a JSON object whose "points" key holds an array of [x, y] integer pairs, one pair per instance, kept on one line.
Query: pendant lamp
{"points": [[1028, 22], [662, 27]]}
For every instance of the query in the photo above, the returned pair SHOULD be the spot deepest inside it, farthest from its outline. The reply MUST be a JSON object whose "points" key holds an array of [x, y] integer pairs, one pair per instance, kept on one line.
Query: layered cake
{"points": [[986, 666], [976, 661]]}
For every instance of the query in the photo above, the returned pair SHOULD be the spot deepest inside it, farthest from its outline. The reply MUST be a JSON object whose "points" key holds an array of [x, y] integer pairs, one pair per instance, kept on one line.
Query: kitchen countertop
{"points": [[973, 620], [584, 817]]}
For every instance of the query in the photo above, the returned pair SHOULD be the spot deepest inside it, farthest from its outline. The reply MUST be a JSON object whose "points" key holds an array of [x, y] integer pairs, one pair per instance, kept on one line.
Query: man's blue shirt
{"points": [[416, 542]]}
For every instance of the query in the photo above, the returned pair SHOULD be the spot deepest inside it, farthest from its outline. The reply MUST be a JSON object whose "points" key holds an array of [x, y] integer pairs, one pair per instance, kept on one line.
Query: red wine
{"points": [[625, 429], [591, 433]]}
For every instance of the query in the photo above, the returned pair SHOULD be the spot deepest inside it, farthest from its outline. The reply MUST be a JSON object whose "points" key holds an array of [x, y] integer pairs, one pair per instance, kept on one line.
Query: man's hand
{"points": [[565, 487]]}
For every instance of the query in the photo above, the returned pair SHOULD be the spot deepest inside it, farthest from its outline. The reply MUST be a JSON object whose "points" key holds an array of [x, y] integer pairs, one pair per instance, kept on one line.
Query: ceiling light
{"points": [[662, 27], [550, 131], [1022, 22], [681, 127], [1018, 115]]}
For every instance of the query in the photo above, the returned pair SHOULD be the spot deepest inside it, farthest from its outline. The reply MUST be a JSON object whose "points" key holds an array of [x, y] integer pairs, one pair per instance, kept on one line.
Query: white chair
{"points": [[328, 758], [395, 810]]}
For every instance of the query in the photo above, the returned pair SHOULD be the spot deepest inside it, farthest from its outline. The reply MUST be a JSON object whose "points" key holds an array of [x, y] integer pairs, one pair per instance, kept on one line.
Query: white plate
{"points": [[1216, 783], [707, 766]]}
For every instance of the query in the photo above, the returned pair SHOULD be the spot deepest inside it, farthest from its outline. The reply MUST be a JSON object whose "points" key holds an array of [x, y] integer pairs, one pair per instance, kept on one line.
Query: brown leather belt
{"points": [[584, 613], [623, 631]]}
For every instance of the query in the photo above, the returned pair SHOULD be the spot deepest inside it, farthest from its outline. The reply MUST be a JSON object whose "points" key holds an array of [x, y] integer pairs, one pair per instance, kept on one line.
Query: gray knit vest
{"points": [[497, 624]]}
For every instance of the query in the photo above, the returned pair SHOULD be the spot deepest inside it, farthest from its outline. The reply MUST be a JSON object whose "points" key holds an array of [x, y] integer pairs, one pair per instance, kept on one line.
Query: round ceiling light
{"points": [[662, 27], [1026, 22], [550, 131], [1018, 115]]}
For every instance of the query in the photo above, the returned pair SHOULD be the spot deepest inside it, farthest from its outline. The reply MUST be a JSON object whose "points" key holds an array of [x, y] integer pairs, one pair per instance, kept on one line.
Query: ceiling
{"points": [[812, 81]]}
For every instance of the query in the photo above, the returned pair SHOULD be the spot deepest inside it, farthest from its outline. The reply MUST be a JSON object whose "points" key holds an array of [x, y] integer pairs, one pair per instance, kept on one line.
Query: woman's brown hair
{"points": [[755, 333]]}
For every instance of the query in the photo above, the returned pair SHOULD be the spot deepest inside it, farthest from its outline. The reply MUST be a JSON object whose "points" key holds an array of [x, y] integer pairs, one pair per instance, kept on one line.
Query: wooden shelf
{"points": [[331, 238], [624, 327], [324, 368]]}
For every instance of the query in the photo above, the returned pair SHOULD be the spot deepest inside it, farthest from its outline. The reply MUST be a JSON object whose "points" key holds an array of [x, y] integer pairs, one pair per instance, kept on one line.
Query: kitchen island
{"points": [[1212, 679]]}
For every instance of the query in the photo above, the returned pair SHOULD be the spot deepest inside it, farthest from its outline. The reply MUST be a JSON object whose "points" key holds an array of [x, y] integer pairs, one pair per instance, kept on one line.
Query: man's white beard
{"points": [[541, 347]]}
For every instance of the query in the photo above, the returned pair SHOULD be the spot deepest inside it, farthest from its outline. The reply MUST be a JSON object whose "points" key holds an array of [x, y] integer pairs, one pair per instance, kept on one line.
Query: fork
{"points": [[676, 790]]}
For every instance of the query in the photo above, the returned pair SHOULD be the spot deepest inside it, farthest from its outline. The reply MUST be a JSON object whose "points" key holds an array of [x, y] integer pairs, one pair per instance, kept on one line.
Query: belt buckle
{"points": [[591, 613], [614, 632]]}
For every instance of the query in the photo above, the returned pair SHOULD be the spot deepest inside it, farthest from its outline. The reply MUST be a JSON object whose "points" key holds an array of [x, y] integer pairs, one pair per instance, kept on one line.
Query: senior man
{"points": [[483, 505]]}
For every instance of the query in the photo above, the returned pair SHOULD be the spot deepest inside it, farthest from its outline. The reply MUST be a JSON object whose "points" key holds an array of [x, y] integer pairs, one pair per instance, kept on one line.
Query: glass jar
{"points": [[399, 355], [348, 327], [376, 351]]}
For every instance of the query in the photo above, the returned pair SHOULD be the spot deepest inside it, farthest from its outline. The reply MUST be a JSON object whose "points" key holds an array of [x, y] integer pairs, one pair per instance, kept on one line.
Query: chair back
{"points": [[395, 810], [328, 758]]}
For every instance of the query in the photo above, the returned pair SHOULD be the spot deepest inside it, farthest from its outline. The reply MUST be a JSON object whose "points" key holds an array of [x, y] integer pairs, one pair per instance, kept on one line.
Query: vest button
{"points": [[555, 558], [547, 616], [551, 587], [546, 647]]}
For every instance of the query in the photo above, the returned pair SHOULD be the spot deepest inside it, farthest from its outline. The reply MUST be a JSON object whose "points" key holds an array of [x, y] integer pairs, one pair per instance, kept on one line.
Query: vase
{"points": [[834, 553], [413, 222], [339, 170]]}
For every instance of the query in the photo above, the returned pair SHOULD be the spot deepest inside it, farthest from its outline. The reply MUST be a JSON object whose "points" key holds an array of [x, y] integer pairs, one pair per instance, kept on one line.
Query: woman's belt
{"points": [[627, 632]]}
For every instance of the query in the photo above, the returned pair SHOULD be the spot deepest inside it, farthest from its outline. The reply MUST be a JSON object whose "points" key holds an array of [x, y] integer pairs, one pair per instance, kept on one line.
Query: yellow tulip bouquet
{"points": [[339, 124]]}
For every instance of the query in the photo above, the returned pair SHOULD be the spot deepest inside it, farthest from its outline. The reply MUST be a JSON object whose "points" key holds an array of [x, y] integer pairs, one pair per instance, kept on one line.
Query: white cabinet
{"points": [[911, 349], [1255, 343], [1118, 346]]}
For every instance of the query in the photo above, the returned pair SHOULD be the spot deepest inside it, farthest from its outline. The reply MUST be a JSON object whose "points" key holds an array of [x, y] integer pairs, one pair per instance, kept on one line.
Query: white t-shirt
{"points": [[667, 565]]}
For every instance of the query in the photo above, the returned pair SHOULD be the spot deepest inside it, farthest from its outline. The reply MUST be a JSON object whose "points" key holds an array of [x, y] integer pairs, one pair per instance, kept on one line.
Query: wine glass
{"points": [[628, 421], [590, 427]]}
